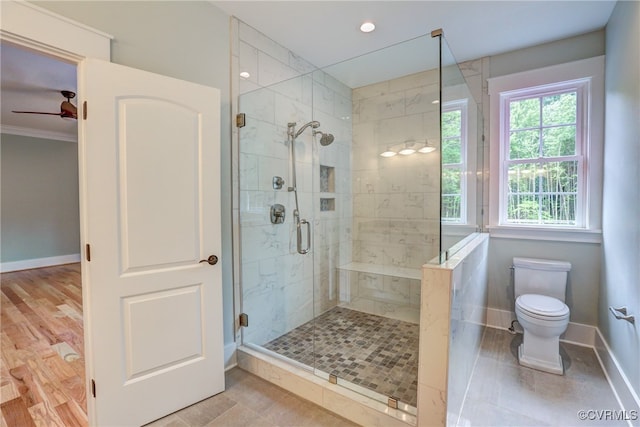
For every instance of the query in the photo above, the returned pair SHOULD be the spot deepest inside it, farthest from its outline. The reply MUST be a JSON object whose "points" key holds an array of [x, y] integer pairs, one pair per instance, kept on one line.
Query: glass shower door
{"points": [[276, 281]]}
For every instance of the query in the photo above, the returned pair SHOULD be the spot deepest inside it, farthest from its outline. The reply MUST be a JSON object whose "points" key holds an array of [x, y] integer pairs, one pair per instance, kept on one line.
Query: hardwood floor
{"points": [[42, 376]]}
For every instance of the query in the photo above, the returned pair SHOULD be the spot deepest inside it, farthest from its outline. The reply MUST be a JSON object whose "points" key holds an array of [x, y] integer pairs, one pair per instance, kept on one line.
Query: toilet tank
{"points": [[540, 276]]}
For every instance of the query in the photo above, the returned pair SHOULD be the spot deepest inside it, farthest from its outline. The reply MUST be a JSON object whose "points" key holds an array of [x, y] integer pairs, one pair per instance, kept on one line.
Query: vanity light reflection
{"points": [[408, 148], [388, 153]]}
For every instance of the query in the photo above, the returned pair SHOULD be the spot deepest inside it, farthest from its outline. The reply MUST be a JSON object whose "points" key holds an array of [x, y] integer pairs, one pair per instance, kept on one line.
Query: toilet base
{"points": [[553, 367]]}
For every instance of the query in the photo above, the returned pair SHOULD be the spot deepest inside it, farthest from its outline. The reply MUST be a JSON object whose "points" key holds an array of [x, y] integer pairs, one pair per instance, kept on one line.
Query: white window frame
{"points": [[584, 75], [581, 88]]}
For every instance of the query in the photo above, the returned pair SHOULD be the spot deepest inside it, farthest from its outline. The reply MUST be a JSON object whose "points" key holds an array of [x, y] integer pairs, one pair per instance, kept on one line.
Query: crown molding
{"points": [[38, 133]]}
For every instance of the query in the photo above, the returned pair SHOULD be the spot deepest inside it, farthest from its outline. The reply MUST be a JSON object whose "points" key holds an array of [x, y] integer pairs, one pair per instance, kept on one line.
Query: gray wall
{"points": [[557, 52], [582, 285], [584, 279], [621, 201], [39, 198], [182, 39]]}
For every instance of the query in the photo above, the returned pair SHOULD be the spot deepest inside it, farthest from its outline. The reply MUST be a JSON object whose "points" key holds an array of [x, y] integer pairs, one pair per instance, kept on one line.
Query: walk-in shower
{"points": [[335, 287]]}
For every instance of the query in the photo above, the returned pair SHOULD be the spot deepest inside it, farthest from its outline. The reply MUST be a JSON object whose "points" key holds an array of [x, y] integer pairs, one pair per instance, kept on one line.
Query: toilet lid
{"points": [[542, 305]]}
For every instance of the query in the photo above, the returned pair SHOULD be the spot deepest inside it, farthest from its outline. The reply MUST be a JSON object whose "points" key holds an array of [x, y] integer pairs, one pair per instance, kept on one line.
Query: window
{"points": [[454, 162], [542, 164], [546, 151]]}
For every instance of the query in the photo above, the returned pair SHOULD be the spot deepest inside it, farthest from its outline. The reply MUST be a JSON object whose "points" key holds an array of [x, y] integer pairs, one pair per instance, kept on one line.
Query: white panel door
{"points": [[151, 212]]}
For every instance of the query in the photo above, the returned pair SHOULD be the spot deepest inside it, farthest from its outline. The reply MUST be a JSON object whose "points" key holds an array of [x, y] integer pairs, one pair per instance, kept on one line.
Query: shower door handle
{"points": [[299, 231]]}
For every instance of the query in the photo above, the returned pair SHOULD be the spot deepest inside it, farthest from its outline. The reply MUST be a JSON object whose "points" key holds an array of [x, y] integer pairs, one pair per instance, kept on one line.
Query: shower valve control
{"points": [[277, 214], [278, 182]]}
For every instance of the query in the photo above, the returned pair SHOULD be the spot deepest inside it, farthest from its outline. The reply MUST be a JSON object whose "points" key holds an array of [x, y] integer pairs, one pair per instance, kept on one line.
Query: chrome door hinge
{"points": [[87, 251], [93, 387], [84, 110], [241, 120], [244, 319]]}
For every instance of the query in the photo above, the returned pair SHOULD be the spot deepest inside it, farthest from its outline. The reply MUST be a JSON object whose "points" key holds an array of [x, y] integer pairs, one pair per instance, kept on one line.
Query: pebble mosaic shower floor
{"points": [[374, 352]]}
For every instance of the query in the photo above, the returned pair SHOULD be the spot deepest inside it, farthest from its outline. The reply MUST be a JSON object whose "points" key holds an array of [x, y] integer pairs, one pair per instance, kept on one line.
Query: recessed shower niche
{"points": [[327, 179], [327, 185]]}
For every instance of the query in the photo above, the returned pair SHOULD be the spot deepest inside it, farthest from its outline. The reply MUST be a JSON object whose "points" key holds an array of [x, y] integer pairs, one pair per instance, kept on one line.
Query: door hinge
{"points": [[241, 120], [244, 319], [84, 110], [87, 251], [93, 387]]}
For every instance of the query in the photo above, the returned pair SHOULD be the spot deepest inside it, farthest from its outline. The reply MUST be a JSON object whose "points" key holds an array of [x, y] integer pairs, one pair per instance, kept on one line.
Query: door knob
{"points": [[212, 260]]}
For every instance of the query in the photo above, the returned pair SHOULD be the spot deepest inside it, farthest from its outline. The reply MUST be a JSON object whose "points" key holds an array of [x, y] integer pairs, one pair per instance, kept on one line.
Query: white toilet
{"points": [[540, 287]]}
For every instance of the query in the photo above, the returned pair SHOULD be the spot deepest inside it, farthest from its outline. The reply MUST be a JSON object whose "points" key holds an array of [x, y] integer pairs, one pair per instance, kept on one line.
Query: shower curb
{"points": [[305, 384]]}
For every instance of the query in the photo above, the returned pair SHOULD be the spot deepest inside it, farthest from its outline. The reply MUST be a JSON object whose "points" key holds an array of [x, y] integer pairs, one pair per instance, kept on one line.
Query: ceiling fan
{"points": [[67, 109]]}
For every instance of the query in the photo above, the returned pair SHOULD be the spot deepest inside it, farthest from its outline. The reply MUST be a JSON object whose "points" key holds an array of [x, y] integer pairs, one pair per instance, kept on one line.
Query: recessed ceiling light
{"points": [[245, 75], [367, 27]]}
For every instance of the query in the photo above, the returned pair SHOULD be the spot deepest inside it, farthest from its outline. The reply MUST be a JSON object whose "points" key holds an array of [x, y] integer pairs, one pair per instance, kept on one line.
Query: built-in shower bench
{"points": [[385, 270], [383, 290]]}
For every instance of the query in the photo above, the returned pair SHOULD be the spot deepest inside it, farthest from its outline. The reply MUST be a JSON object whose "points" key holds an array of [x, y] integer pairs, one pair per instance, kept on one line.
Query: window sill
{"points": [[550, 234]]}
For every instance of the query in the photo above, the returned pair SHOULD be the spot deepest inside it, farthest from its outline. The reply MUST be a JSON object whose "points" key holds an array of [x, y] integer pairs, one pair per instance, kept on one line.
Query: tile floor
{"points": [[503, 393], [374, 352], [252, 402]]}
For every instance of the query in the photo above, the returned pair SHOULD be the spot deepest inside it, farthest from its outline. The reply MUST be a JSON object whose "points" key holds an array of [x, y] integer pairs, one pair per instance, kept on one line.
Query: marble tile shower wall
{"points": [[452, 312], [277, 282], [396, 199]]}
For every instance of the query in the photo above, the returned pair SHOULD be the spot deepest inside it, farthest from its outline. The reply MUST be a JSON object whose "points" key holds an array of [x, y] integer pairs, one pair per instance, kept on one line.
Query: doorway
{"points": [[153, 314], [42, 322]]}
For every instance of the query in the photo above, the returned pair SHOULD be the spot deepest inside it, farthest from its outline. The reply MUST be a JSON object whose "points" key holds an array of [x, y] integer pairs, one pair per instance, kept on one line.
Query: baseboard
{"points": [[627, 397], [577, 333], [27, 264]]}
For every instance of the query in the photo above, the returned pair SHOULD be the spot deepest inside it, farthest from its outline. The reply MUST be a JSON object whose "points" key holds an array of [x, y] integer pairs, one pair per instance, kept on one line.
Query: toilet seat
{"points": [[542, 307]]}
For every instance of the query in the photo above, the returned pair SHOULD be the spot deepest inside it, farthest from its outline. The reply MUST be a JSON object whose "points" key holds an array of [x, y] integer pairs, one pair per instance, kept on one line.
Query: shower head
{"points": [[325, 138], [314, 124]]}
